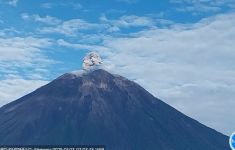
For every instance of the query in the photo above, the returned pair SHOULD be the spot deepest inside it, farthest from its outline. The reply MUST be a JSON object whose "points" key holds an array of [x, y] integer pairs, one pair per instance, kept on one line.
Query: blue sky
{"points": [[182, 51]]}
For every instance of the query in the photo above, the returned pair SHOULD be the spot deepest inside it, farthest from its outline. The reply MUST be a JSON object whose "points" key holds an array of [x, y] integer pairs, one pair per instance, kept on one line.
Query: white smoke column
{"points": [[91, 61]]}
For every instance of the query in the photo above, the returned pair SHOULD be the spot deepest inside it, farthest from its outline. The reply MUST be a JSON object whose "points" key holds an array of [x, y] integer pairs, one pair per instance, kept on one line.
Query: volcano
{"points": [[100, 108]]}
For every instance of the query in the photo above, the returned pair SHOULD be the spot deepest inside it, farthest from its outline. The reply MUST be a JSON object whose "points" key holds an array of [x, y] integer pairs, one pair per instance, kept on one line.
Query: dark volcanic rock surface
{"points": [[99, 108]]}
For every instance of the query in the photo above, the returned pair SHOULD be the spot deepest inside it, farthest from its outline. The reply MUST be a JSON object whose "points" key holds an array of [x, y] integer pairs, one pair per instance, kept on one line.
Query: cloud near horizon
{"points": [[189, 66]]}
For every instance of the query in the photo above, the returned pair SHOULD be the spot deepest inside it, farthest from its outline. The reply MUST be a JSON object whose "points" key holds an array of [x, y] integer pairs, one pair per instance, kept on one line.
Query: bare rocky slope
{"points": [[99, 108]]}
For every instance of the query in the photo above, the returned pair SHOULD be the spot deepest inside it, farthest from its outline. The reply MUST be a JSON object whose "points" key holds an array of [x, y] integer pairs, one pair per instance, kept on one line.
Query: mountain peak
{"points": [[97, 73]]}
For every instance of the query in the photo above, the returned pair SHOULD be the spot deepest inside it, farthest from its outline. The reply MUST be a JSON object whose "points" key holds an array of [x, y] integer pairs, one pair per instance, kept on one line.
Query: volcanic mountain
{"points": [[99, 108]]}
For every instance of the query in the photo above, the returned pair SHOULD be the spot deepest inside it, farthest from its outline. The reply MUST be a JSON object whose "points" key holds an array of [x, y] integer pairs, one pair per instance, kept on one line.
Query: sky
{"points": [[182, 51]]}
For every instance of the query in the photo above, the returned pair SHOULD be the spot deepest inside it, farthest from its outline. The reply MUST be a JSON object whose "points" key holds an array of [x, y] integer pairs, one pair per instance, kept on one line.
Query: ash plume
{"points": [[91, 61]]}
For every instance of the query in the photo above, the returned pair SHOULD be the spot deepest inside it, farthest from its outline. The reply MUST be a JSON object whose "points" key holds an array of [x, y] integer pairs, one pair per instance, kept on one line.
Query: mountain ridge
{"points": [[100, 108]]}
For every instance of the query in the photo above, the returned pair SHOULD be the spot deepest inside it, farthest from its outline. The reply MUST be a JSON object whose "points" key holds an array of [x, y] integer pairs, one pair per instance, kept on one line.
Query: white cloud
{"points": [[70, 27], [15, 87], [191, 66], [24, 57], [61, 4], [77, 27], [62, 42], [132, 20], [25, 16], [8, 31], [22, 49], [22, 63], [202, 6], [12, 2], [199, 8], [47, 20], [37, 18]]}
